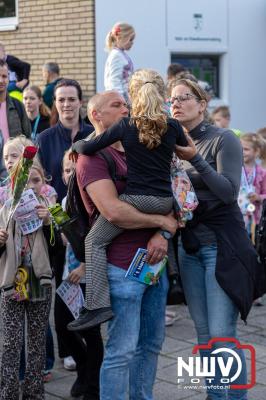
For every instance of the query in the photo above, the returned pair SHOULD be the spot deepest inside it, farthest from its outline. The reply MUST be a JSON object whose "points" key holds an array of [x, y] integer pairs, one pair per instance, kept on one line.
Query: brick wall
{"points": [[56, 30]]}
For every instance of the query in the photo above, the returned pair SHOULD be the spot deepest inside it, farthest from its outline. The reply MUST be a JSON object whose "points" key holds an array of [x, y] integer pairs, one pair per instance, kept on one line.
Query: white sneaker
{"points": [[69, 363]]}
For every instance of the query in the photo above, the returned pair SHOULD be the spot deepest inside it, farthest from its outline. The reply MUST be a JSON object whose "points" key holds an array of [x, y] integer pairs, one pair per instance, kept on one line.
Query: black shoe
{"points": [[90, 318], [79, 388]]}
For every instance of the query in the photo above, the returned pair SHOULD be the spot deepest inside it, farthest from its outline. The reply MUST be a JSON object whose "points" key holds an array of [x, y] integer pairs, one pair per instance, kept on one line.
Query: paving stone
{"points": [[258, 392], [255, 339], [60, 385], [171, 345], [163, 391], [165, 362], [179, 341]]}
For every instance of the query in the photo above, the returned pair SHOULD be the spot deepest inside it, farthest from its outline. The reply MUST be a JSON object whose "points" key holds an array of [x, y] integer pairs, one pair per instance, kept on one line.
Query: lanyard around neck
{"points": [[249, 180], [35, 127]]}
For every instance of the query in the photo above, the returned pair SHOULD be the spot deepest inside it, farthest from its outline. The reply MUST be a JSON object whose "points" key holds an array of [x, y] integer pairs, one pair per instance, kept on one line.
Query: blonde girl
{"points": [[13, 150], [119, 66], [149, 138], [20, 253], [253, 180]]}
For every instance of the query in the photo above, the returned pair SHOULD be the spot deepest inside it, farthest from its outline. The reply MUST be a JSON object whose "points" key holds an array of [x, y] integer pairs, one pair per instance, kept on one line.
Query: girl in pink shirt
{"points": [[253, 181]]}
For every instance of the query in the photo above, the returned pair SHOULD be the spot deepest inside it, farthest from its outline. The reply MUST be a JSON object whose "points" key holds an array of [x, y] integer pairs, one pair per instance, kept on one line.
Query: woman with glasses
{"points": [[218, 263]]}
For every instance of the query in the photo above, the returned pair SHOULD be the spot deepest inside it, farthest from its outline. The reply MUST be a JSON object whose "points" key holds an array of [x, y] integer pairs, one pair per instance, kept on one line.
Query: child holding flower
{"points": [[25, 280]]}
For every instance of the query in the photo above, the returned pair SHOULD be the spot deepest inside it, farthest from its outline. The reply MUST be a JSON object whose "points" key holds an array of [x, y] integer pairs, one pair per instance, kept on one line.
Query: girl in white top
{"points": [[119, 66]]}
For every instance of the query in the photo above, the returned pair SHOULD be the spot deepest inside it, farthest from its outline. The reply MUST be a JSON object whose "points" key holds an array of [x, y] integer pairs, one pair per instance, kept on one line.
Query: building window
{"points": [[8, 14], [204, 67]]}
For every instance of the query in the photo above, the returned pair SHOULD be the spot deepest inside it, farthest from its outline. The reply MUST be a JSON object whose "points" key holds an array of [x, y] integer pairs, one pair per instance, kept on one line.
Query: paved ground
{"points": [[179, 341]]}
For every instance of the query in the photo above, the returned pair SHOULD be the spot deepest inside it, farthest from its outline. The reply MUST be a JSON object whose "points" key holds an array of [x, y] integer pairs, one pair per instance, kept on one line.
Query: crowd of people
{"points": [[139, 122]]}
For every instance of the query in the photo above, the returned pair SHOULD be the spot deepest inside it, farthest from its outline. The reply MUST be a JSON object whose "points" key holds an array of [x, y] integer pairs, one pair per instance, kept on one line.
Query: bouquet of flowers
{"points": [[20, 176]]}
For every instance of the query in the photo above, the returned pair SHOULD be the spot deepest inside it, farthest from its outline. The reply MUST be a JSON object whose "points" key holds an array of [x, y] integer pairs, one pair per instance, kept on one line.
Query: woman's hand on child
{"points": [[186, 152], [43, 213], [77, 274], [3, 236]]}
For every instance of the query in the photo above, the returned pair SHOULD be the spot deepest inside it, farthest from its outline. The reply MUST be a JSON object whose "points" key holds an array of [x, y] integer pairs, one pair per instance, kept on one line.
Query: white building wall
{"points": [[241, 24], [246, 67]]}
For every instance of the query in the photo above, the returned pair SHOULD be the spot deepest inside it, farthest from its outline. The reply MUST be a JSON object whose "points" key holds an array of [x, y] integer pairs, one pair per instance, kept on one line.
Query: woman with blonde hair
{"points": [[149, 138], [119, 66]]}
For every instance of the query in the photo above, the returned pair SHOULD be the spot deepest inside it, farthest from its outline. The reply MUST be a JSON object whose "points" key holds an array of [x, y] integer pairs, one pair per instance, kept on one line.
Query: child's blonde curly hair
{"points": [[148, 113]]}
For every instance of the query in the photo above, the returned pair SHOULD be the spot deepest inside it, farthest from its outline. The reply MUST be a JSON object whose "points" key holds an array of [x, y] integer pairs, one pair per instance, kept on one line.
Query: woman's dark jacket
{"points": [[238, 271], [215, 173]]}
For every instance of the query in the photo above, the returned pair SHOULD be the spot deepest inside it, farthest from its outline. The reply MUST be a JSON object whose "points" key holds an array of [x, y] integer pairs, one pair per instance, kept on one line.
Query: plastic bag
{"points": [[184, 194]]}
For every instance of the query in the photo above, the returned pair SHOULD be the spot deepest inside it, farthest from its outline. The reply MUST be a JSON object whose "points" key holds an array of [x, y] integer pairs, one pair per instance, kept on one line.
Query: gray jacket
{"points": [[10, 258], [17, 124]]}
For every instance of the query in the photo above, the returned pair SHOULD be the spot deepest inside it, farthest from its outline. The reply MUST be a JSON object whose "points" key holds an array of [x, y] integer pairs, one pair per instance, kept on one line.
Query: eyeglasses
{"points": [[183, 98]]}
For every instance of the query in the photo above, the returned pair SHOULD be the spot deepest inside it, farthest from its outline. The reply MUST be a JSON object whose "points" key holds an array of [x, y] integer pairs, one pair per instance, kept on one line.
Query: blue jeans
{"points": [[213, 312], [135, 337]]}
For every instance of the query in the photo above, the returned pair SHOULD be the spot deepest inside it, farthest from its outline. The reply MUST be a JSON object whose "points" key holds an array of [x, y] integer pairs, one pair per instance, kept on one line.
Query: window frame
{"points": [[10, 23], [215, 58]]}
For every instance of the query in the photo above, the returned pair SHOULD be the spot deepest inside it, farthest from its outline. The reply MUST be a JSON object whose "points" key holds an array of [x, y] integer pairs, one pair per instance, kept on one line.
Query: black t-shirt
{"points": [[42, 125]]}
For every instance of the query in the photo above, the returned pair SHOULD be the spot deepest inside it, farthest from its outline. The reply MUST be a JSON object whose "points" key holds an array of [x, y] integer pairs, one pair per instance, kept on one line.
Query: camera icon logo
{"points": [[226, 358]]}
